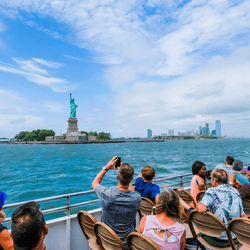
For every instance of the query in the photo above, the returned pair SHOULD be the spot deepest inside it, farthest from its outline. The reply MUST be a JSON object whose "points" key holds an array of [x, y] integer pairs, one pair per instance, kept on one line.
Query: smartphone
{"points": [[153, 210], [118, 162]]}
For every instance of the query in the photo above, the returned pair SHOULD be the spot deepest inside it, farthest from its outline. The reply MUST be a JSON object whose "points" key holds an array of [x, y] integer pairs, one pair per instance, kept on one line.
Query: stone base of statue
{"points": [[72, 126]]}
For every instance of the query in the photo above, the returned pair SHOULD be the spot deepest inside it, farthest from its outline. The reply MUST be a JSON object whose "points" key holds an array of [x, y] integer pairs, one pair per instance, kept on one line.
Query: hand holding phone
{"points": [[118, 162]]}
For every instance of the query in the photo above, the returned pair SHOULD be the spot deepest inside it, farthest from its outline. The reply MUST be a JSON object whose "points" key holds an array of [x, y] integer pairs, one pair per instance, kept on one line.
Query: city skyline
{"points": [[200, 131], [130, 65]]}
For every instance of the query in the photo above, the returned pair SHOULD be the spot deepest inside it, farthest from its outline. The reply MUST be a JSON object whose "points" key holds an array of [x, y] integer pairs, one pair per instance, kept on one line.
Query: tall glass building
{"points": [[218, 128], [149, 133]]}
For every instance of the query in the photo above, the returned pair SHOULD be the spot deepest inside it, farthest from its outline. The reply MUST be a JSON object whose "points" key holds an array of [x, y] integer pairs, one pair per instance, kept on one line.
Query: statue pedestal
{"points": [[72, 126]]}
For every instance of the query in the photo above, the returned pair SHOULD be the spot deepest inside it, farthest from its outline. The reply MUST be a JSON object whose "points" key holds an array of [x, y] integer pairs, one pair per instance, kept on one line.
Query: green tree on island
{"points": [[92, 133], [104, 136], [35, 135]]}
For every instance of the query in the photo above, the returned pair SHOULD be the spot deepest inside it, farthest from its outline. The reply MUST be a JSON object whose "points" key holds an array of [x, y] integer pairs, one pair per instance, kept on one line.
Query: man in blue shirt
{"points": [[144, 184], [237, 169]]}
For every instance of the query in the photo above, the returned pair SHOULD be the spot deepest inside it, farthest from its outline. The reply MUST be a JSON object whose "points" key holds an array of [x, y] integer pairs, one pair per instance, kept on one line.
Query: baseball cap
{"points": [[3, 197]]}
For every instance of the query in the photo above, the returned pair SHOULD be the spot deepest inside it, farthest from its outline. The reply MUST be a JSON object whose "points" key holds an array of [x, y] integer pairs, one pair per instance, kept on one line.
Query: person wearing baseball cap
{"points": [[6, 242]]}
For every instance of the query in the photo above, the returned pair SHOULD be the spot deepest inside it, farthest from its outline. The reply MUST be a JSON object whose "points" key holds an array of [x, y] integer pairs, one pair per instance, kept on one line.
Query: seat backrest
{"points": [[86, 222], [146, 207], [246, 206], [107, 238], [137, 241], [200, 195], [184, 195], [208, 224], [241, 228]]}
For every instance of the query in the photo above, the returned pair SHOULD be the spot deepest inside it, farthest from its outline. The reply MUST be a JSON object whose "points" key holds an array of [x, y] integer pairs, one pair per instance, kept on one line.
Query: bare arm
{"points": [[6, 240], [183, 240], [99, 177], [2, 215], [142, 225], [244, 216]]}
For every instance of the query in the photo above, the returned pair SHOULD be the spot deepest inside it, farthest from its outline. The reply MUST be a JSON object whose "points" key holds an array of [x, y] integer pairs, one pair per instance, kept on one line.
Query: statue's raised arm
{"points": [[73, 107]]}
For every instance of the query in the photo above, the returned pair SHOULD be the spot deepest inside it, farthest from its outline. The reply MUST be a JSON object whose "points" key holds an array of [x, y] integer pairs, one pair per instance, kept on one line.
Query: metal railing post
{"points": [[68, 206], [181, 182], [68, 225]]}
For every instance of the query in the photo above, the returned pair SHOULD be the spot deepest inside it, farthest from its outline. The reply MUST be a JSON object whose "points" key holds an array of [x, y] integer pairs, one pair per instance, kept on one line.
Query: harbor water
{"points": [[30, 172]]}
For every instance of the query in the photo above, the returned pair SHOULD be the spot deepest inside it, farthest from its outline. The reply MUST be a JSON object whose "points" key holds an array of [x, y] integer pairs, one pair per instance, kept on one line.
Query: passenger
{"points": [[197, 182], [6, 242], [144, 184], [161, 228], [228, 165], [119, 204], [237, 169], [208, 178], [28, 227], [224, 202], [245, 191]]}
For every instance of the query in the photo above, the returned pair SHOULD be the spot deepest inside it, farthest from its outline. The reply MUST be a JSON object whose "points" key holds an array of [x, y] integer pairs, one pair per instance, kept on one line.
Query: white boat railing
{"points": [[69, 206]]}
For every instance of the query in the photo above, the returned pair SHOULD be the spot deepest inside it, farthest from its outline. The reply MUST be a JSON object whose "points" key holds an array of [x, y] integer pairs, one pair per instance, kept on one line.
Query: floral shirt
{"points": [[224, 202]]}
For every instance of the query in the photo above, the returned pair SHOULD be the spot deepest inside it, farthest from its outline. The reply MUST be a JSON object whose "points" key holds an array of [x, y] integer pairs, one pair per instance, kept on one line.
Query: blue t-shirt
{"points": [[242, 179], [119, 209], [147, 189]]}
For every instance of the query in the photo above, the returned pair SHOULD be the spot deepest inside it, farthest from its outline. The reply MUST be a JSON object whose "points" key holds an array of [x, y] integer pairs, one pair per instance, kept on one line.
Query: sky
{"points": [[130, 65]]}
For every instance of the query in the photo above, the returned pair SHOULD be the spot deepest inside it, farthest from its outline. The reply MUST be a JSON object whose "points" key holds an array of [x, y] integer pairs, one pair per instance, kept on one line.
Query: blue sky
{"points": [[130, 65]]}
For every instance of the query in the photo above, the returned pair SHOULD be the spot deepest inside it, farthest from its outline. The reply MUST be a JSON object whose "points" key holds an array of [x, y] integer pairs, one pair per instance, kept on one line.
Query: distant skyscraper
{"points": [[218, 128], [149, 133], [200, 131], [170, 132]]}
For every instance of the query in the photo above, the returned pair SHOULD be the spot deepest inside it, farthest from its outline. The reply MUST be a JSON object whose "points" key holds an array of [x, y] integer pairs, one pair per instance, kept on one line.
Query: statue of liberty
{"points": [[73, 107]]}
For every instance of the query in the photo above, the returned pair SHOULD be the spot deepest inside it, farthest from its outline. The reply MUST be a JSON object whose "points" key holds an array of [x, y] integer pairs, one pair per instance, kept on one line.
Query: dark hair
{"points": [[125, 174], [237, 165], [197, 165], [248, 168], [148, 173], [220, 176], [168, 201], [208, 174], [27, 226], [229, 160]]}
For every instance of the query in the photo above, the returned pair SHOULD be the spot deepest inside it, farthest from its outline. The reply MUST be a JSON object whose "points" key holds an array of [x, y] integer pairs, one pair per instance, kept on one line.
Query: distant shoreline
{"points": [[80, 142]]}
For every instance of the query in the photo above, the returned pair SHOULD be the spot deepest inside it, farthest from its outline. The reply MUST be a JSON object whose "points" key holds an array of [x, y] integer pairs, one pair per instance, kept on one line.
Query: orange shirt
{"points": [[195, 183], [6, 241]]}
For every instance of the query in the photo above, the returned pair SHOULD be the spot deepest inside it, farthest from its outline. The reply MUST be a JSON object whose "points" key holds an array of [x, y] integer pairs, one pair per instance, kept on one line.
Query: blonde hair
{"points": [[168, 202]]}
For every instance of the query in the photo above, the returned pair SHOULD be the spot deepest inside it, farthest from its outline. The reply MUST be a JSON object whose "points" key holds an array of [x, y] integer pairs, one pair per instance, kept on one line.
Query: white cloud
{"points": [[19, 122], [48, 63], [29, 66], [218, 90], [33, 73]]}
